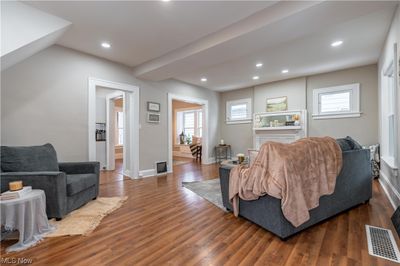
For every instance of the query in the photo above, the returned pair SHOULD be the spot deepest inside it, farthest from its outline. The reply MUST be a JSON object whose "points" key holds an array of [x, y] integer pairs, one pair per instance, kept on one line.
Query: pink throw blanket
{"points": [[298, 173]]}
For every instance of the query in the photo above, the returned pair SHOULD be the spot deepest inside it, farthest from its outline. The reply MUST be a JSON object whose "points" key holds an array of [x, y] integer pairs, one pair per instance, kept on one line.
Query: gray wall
{"points": [[299, 93], [44, 99], [293, 89], [365, 128], [239, 136]]}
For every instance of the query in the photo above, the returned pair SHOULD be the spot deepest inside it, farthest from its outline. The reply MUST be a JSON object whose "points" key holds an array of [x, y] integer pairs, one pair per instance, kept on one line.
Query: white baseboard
{"points": [[128, 173], [147, 173], [390, 191]]}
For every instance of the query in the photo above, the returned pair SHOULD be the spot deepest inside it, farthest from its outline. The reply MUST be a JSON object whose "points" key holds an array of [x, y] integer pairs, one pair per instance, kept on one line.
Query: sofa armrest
{"points": [[224, 173], [54, 185], [74, 168]]}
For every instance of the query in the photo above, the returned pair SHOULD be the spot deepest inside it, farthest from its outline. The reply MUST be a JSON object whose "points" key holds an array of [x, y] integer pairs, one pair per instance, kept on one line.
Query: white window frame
{"points": [[197, 127], [249, 117], [354, 90], [389, 112], [116, 133], [117, 141]]}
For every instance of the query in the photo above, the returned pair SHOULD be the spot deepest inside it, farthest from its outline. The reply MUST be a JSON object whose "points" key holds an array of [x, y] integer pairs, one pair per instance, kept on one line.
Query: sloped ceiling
{"points": [[26, 31]]}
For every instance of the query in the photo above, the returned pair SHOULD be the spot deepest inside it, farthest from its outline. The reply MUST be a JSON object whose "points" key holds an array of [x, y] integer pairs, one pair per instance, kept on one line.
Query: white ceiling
{"points": [[224, 40], [138, 30]]}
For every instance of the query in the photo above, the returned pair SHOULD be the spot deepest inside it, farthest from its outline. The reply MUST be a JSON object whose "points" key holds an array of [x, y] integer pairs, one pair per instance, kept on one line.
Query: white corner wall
{"points": [[390, 178], [25, 31]]}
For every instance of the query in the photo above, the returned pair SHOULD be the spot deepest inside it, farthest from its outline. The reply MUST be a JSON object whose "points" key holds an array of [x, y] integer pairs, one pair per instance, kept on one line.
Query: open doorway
{"points": [[113, 126], [187, 124], [187, 130], [109, 128]]}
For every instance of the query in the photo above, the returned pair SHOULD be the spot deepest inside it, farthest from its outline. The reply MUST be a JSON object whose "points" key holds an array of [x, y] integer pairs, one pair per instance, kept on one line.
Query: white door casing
{"points": [[131, 123], [205, 138]]}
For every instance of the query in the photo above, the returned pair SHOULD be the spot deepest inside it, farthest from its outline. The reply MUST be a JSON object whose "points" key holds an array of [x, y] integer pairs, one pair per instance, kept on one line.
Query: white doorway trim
{"points": [[205, 138], [130, 166]]}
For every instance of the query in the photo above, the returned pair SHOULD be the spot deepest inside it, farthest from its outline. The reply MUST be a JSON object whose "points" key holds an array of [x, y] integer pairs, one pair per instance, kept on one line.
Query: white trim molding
{"points": [[205, 138], [336, 116], [131, 108], [390, 191], [147, 173], [353, 89], [249, 114]]}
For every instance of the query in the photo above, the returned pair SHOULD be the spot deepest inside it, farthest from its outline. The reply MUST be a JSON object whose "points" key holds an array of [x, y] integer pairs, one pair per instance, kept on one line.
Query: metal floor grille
{"points": [[381, 243]]}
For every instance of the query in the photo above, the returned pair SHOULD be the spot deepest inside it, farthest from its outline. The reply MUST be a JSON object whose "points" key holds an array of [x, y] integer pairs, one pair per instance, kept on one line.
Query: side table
{"points": [[222, 152], [28, 216]]}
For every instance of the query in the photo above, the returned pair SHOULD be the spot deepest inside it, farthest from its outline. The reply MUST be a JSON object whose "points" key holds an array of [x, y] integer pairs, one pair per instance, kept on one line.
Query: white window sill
{"points": [[390, 161], [336, 115], [230, 122]]}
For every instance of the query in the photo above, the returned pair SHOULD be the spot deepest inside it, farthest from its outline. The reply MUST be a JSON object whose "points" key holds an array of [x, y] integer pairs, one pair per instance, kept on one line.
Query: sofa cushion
{"points": [[80, 182], [348, 144], [29, 158]]}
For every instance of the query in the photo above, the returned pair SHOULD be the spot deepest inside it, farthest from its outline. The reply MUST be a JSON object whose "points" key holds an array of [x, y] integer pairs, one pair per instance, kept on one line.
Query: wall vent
{"points": [[381, 243]]}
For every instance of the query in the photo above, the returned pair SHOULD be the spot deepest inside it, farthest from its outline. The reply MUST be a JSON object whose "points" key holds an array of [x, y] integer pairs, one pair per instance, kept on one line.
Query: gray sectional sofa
{"points": [[353, 187], [67, 186]]}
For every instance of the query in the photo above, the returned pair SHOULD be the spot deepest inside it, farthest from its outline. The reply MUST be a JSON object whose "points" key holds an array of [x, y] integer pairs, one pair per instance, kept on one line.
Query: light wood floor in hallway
{"points": [[163, 223]]}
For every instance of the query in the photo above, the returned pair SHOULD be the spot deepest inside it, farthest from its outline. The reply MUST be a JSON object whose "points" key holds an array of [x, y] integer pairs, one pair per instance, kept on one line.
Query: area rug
{"points": [[85, 219], [208, 189]]}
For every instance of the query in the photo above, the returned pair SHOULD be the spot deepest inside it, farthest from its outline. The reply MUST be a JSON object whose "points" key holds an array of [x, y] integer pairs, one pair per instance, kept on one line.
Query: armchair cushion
{"points": [[80, 182], [72, 168], [29, 159]]}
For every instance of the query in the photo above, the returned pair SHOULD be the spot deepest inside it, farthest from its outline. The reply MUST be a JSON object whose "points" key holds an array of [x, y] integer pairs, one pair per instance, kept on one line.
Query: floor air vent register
{"points": [[381, 243]]}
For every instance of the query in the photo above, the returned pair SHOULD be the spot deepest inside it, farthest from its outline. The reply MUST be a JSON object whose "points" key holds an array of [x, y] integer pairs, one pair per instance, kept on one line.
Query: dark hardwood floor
{"points": [[163, 223]]}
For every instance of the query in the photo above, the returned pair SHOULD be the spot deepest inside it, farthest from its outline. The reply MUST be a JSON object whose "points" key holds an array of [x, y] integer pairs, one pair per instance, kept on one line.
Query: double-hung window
{"points": [[238, 111], [337, 102], [120, 128], [389, 131], [190, 122]]}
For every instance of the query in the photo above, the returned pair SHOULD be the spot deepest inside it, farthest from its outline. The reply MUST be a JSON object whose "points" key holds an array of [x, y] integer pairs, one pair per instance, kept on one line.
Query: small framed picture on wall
{"points": [[277, 104], [153, 118], [153, 107]]}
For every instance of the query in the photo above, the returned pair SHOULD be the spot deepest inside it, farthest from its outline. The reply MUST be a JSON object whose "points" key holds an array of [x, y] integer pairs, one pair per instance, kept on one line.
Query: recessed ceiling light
{"points": [[105, 45], [203, 79], [285, 71], [256, 77], [165, 0], [259, 65], [336, 43]]}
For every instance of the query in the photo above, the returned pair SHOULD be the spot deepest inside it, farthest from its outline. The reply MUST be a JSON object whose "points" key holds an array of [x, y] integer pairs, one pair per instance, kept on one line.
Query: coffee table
{"points": [[28, 216]]}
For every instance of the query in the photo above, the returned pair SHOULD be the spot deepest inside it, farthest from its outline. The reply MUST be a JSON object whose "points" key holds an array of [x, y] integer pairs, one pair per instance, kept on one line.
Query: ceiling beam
{"points": [[266, 16]]}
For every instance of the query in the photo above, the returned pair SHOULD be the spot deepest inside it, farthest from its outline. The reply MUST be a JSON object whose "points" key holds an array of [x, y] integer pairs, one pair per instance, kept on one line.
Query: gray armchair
{"points": [[67, 186]]}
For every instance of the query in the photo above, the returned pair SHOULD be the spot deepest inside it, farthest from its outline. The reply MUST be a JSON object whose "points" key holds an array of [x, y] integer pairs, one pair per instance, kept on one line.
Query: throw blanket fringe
{"points": [[298, 173]]}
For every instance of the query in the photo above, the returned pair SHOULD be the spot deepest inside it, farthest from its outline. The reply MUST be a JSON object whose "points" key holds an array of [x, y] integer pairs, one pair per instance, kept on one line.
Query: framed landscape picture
{"points": [[277, 104]]}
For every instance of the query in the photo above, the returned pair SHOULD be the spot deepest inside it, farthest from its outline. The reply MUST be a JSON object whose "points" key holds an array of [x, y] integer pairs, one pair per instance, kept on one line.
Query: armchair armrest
{"points": [[54, 185], [80, 167]]}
